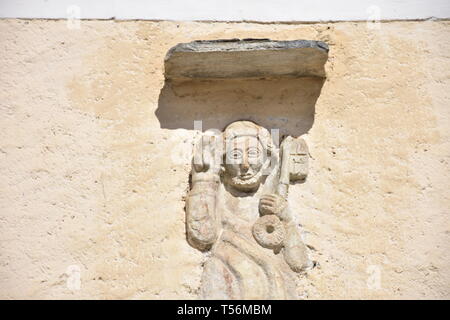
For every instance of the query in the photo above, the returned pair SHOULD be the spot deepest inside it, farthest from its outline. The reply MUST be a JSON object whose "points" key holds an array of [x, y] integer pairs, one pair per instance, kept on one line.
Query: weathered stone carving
{"points": [[237, 208]]}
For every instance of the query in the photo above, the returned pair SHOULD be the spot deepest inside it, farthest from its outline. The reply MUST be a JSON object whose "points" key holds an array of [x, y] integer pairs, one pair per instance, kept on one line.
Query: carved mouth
{"points": [[247, 182], [246, 176]]}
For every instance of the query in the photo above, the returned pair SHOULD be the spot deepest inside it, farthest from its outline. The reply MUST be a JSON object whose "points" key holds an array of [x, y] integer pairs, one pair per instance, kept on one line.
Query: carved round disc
{"points": [[269, 231]]}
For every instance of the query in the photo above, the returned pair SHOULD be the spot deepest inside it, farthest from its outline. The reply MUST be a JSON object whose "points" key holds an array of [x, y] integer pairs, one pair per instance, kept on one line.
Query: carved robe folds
{"points": [[237, 209]]}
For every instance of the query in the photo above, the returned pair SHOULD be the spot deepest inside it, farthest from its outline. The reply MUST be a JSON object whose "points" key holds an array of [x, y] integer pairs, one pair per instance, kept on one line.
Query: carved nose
{"points": [[244, 164]]}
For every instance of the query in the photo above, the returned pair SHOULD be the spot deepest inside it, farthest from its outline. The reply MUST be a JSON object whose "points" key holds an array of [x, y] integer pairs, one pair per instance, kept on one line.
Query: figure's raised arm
{"points": [[294, 166], [201, 220]]}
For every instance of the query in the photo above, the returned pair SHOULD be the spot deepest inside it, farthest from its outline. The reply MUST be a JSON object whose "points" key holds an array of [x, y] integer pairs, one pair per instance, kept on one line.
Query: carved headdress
{"points": [[251, 129]]}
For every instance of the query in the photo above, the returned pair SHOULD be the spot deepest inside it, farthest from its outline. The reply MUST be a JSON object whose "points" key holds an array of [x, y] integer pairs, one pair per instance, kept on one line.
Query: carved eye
{"points": [[253, 152], [235, 154]]}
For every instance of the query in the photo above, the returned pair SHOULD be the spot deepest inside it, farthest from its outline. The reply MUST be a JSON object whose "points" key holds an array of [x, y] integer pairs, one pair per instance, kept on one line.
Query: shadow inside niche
{"points": [[284, 104]]}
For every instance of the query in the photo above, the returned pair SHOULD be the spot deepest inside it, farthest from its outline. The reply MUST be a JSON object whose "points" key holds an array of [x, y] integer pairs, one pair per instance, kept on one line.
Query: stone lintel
{"points": [[246, 59]]}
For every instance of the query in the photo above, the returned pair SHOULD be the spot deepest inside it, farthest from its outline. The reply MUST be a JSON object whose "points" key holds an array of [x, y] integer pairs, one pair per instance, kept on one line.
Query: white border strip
{"points": [[229, 10]]}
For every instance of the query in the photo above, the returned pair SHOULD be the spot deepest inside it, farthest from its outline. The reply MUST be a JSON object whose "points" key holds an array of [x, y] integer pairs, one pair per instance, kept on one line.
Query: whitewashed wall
{"points": [[228, 10]]}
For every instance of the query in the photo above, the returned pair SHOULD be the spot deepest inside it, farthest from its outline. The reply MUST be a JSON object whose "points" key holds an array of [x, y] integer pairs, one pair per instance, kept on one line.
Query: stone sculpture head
{"points": [[247, 154]]}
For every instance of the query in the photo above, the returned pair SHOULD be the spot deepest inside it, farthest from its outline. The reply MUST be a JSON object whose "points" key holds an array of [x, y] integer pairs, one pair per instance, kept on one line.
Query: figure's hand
{"points": [[273, 204], [207, 154]]}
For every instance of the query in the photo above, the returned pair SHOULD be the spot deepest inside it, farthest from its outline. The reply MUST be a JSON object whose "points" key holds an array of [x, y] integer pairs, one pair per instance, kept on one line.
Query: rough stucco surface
{"points": [[89, 178]]}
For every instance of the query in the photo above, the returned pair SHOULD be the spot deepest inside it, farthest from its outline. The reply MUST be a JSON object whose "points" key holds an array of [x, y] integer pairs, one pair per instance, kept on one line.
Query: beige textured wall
{"points": [[87, 178]]}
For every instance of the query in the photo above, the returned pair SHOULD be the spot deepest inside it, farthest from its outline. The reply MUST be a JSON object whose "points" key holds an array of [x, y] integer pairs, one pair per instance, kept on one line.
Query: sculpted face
{"points": [[243, 163]]}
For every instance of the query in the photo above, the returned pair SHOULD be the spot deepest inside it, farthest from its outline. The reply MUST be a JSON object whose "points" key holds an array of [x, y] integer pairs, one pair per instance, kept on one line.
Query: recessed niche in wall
{"points": [[237, 205]]}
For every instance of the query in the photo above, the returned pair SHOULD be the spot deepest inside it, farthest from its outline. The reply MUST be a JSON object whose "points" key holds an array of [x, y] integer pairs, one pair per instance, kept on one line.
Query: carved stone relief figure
{"points": [[237, 209]]}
